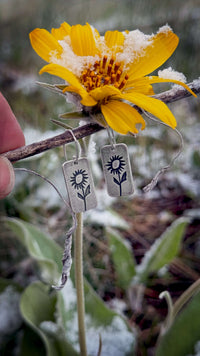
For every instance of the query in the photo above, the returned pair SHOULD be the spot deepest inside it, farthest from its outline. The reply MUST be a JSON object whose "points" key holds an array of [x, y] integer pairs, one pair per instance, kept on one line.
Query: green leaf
{"points": [[122, 257], [184, 333], [163, 250], [60, 123], [72, 115], [38, 308], [41, 247], [56, 88]]}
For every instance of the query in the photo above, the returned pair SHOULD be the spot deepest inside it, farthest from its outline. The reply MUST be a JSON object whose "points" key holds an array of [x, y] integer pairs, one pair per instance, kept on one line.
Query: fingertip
{"points": [[11, 134], [7, 177]]}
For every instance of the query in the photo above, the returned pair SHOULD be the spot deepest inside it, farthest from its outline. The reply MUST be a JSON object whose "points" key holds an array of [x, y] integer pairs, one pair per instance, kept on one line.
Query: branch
{"points": [[177, 93], [55, 141]]}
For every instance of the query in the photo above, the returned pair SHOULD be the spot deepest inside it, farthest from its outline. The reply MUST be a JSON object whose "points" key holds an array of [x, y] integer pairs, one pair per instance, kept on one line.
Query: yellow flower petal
{"points": [[114, 40], [75, 85], [44, 43], [87, 100], [82, 40], [161, 47], [121, 117], [106, 91], [65, 74], [62, 31], [141, 85], [154, 106], [155, 79]]}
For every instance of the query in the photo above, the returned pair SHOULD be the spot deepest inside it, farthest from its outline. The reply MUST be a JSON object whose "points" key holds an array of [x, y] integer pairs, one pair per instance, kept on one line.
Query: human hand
{"points": [[11, 137]]}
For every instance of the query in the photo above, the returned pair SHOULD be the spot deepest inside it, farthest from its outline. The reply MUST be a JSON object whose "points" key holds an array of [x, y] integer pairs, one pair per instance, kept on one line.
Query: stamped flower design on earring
{"points": [[116, 166], [78, 181]]}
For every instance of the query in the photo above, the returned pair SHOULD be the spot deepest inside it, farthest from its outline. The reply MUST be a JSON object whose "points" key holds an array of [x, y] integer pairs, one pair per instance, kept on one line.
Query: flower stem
{"points": [[80, 283], [84, 199], [120, 185]]}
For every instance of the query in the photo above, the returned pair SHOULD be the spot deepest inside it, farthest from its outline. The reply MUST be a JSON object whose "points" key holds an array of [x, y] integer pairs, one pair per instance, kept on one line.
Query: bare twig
{"points": [[55, 141], [35, 148]]}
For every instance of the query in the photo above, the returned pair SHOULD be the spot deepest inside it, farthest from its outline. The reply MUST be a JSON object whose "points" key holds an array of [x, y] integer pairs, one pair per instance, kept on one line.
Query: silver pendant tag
{"points": [[117, 170], [80, 186]]}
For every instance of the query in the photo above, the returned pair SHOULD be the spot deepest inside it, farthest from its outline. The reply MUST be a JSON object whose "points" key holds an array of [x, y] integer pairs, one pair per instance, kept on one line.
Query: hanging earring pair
{"points": [[78, 176]]}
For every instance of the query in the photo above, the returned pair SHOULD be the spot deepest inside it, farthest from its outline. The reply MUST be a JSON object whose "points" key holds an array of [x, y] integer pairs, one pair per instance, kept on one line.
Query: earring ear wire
{"points": [[111, 137], [78, 147], [155, 179]]}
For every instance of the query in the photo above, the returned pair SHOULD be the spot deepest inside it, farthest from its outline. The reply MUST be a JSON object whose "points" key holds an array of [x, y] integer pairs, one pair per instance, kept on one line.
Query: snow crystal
{"points": [[196, 349], [34, 135], [134, 44], [106, 218], [92, 147], [116, 339], [169, 73], [49, 327], [101, 45], [68, 59], [118, 305], [165, 29], [9, 311], [70, 306], [138, 40], [69, 295], [196, 83], [188, 182]]}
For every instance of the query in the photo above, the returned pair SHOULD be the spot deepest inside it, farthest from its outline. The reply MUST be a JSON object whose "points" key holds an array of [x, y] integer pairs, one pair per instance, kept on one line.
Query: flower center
{"points": [[79, 178], [115, 164], [104, 72]]}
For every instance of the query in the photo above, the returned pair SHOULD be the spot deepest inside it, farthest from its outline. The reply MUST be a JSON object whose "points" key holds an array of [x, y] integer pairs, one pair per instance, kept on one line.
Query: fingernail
{"points": [[7, 177]]}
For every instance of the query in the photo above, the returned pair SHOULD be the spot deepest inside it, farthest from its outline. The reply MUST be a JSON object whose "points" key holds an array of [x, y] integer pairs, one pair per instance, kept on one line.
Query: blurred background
{"points": [[141, 218]]}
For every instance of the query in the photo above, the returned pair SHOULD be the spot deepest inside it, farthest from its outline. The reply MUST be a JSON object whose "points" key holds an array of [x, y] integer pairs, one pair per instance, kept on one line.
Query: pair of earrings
{"points": [[79, 181]]}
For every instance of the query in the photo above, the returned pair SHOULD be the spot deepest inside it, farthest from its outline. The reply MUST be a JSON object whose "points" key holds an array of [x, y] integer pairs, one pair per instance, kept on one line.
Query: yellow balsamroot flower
{"points": [[109, 73]]}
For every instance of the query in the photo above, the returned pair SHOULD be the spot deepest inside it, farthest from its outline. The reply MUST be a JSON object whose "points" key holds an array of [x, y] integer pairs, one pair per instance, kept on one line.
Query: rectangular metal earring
{"points": [[117, 170], [79, 183]]}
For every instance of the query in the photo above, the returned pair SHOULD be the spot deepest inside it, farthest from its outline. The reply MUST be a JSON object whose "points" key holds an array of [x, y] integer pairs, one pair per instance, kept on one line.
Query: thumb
{"points": [[7, 177]]}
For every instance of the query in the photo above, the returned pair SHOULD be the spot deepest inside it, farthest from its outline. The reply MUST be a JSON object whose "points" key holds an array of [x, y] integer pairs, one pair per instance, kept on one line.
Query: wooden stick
{"points": [[55, 141]]}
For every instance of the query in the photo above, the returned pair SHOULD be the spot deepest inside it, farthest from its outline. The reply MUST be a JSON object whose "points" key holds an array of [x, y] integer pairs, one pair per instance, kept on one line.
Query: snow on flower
{"points": [[169, 73]]}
